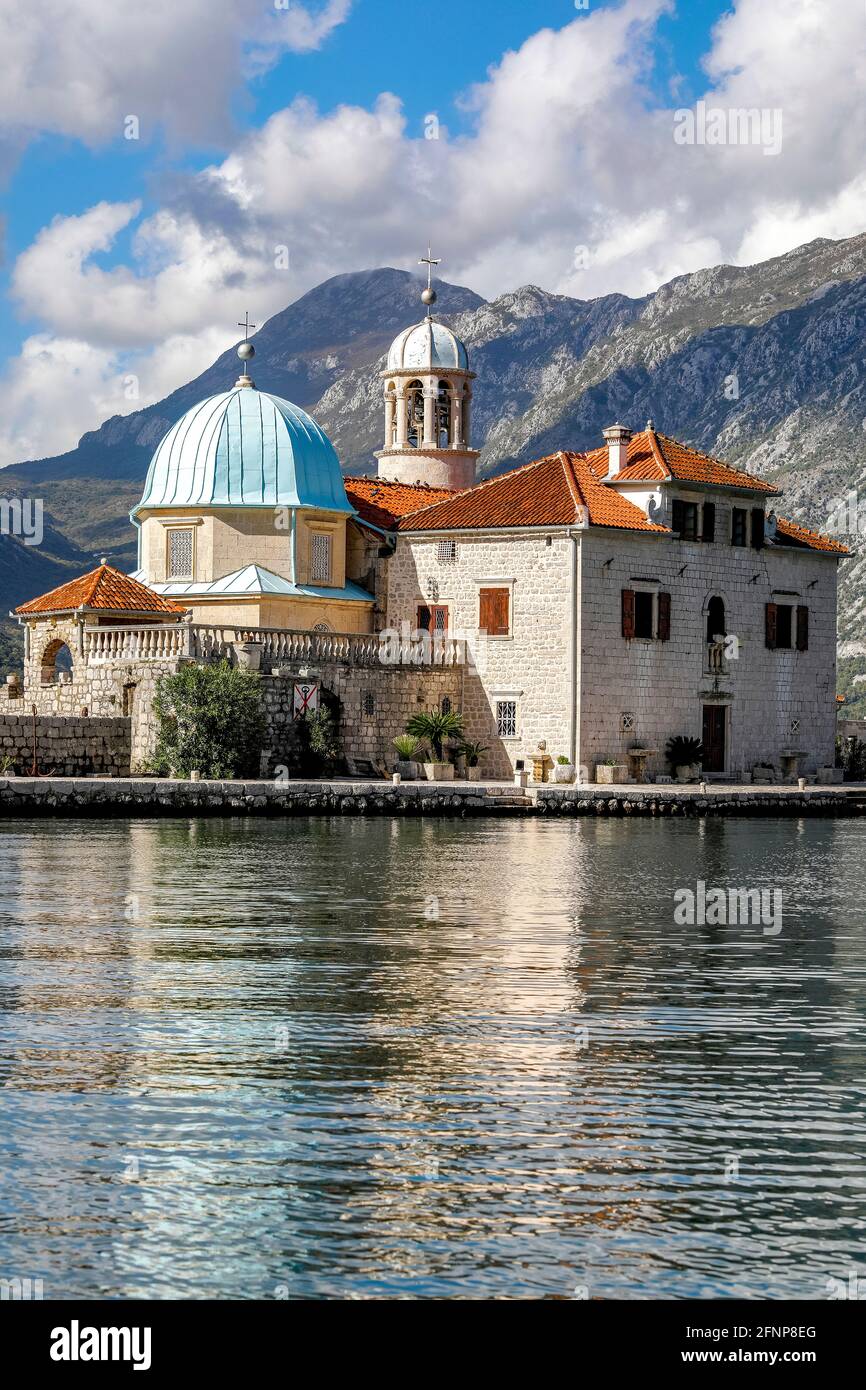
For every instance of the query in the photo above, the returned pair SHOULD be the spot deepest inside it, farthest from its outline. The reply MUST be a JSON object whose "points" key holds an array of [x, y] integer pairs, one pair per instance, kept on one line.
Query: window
{"points": [[643, 615], [493, 612], [715, 619], [506, 718], [646, 615], [708, 531], [180, 553], [684, 519], [786, 626], [757, 528], [320, 558], [369, 703], [446, 705], [738, 526], [446, 552], [433, 617]]}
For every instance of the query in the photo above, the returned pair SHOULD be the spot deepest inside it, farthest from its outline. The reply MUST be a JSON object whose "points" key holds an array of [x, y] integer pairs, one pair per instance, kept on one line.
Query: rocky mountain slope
{"points": [[763, 365]]}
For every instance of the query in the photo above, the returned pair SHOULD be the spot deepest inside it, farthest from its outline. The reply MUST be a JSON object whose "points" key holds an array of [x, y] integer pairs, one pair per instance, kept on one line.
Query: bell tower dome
{"points": [[428, 396]]}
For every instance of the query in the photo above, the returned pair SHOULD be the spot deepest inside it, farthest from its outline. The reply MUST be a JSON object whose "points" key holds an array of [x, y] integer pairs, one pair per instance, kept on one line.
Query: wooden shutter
{"points": [[770, 625], [802, 628], [424, 622], [493, 611], [664, 617], [757, 528], [709, 533], [628, 613]]}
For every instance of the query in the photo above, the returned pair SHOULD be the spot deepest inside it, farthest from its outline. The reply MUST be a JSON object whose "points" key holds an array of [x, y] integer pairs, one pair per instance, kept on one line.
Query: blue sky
{"points": [[268, 124]]}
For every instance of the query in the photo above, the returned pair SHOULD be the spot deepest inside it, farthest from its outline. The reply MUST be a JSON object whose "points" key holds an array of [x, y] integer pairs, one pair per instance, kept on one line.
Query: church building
{"points": [[591, 604]]}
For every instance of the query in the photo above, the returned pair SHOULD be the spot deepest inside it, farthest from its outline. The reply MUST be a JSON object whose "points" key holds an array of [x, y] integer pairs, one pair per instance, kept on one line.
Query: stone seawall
{"points": [[163, 797], [66, 746]]}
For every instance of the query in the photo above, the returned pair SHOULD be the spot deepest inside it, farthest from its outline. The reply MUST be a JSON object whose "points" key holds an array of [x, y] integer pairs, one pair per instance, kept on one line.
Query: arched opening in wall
{"points": [[715, 619], [443, 414], [56, 664], [415, 413]]}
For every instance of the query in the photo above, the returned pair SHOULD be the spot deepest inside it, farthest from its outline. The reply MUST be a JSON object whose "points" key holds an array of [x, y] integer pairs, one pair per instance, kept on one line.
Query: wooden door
{"points": [[714, 738]]}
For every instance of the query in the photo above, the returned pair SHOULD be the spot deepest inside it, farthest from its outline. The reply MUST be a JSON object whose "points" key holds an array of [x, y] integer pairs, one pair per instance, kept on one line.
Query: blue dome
{"points": [[244, 448]]}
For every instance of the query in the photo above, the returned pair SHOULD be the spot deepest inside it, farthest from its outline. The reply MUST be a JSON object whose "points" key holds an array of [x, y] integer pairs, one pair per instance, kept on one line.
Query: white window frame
{"points": [[510, 697]]}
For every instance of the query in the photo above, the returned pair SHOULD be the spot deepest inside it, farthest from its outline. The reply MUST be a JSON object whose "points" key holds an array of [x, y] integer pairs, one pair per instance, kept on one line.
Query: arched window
{"points": [[415, 413], [715, 618], [56, 663], [443, 415]]}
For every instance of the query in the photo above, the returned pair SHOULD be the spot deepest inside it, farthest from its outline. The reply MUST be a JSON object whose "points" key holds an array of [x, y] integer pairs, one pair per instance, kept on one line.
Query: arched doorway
{"points": [[56, 665]]}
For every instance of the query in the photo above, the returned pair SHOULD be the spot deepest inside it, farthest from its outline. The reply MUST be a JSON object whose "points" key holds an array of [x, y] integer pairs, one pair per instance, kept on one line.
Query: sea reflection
{"points": [[340, 1057]]}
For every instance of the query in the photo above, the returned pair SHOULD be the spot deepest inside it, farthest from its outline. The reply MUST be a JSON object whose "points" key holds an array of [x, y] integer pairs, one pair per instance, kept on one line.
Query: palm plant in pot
{"points": [[434, 726], [684, 756], [410, 752], [472, 752]]}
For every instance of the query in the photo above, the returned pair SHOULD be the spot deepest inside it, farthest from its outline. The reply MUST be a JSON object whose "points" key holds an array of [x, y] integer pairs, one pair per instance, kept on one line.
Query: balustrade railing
{"points": [[716, 664], [279, 646]]}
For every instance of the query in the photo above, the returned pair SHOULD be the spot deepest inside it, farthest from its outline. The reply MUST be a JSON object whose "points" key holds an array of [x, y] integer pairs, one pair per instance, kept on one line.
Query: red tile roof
{"points": [[104, 589], [552, 491], [381, 502], [652, 456], [811, 540]]}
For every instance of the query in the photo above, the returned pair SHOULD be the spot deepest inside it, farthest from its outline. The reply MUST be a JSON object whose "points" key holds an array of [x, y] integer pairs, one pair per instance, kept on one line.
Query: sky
{"points": [[165, 167]]}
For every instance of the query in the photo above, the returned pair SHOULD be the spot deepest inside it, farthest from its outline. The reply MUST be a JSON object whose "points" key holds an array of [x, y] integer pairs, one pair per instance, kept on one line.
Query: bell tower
{"points": [[428, 396]]}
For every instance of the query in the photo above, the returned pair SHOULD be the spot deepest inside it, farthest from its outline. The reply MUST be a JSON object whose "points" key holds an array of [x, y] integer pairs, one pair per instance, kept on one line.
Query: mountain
{"points": [[762, 365]]}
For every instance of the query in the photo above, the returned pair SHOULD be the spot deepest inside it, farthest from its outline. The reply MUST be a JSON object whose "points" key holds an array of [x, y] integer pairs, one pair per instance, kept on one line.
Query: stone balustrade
{"points": [[280, 646]]}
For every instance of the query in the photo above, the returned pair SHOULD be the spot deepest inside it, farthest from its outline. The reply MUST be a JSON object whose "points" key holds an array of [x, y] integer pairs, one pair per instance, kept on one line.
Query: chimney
{"points": [[617, 437]]}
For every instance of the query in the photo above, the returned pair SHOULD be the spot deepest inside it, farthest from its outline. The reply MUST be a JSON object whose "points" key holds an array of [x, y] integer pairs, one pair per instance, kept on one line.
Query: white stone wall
{"points": [[663, 685], [532, 664]]}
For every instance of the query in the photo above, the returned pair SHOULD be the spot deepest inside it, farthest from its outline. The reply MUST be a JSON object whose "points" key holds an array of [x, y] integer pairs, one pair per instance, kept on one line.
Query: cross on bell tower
{"points": [[428, 296], [246, 351]]}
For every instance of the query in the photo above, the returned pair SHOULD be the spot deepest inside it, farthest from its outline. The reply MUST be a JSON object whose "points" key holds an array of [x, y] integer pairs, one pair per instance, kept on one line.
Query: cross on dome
{"points": [[428, 296]]}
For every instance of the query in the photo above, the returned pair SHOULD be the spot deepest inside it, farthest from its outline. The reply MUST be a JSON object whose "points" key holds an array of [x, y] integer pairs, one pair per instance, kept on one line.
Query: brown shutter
{"points": [[802, 628], [493, 611], [770, 625], [664, 617], [628, 613]]}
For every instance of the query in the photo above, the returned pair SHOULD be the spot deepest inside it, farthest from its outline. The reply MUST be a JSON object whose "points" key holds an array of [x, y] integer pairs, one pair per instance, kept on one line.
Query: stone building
{"points": [[597, 603]]}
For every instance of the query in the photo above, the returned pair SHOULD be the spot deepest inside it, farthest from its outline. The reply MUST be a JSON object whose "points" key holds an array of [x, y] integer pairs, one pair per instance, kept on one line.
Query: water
{"points": [[351, 1058]]}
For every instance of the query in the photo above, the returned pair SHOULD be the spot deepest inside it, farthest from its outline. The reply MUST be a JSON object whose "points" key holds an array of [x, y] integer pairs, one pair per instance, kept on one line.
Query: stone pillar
{"points": [[390, 400], [467, 406], [456, 416], [431, 396], [402, 425]]}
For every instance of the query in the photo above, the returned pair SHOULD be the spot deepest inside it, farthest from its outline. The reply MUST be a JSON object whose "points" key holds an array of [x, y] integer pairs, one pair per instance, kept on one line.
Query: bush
{"points": [[682, 751], [853, 759], [407, 746], [321, 746], [434, 726], [210, 718]]}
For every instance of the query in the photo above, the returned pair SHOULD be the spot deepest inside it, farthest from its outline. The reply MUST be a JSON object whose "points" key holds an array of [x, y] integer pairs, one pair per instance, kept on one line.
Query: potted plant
{"points": [[472, 752], [684, 756], [408, 763], [563, 770], [435, 726], [610, 772], [249, 655]]}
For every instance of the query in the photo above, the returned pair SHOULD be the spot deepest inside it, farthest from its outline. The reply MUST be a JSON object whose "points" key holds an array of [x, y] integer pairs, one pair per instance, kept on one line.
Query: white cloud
{"points": [[80, 69], [568, 149]]}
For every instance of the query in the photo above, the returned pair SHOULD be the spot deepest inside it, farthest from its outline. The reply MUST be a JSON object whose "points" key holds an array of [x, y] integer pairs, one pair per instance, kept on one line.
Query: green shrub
{"points": [[321, 746], [682, 751], [407, 746], [210, 718], [435, 726]]}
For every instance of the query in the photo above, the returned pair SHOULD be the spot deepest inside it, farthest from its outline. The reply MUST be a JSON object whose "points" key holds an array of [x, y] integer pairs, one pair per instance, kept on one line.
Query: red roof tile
{"points": [[812, 540], [381, 502], [652, 456], [104, 589], [551, 491]]}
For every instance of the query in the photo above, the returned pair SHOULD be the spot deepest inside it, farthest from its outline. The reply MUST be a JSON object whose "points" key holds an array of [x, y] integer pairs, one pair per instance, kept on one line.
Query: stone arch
{"points": [[56, 662], [715, 614], [415, 413]]}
